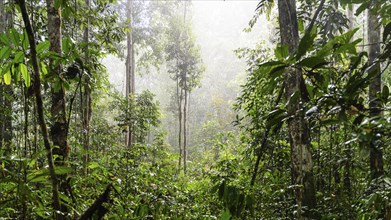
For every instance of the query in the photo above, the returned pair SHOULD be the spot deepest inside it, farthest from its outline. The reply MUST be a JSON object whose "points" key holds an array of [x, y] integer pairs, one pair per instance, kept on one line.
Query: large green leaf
{"points": [[4, 39], [25, 74], [5, 52], [19, 57], [44, 45], [7, 78], [226, 215], [312, 62], [60, 170], [306, 43], [25, 41], [14, 37], [281, 52]]}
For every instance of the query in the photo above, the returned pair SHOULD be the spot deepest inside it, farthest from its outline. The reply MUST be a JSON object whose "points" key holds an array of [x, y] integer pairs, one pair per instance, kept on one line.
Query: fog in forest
{"points": [[219, 28]]}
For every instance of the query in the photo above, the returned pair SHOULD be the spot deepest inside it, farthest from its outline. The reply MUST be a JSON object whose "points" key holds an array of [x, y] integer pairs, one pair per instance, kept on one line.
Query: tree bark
{"points": [[86, 107], [59, 128], [180, 95], [185, 131], [39, 104], [350, 16], [6, 92], [58, 131], [130, 88], [376, 154], [301, 157]]}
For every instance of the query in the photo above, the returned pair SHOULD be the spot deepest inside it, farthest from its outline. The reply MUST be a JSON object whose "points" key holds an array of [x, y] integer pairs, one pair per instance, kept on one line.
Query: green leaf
{"points": [[25, 74], [57, 84], [312, 62], [362, 7], [6, 68], [277, 71], [338, 42], [270, 64], [19, 57], [37, 177], [67, 45], [14, 35], [43, 46], [275, 117], [281, 52], [385, 93], [60, 170], [44, 70], [226, 215], [4, 39], [15, 72], [25, 42], [5, 52], [7, 78], [347, 48], [57, 4], [306, 43]]}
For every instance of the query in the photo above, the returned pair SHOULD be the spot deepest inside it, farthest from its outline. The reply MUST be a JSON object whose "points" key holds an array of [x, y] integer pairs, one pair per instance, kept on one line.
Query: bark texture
{"points": [[301, 157], [376, 154], [58, 131], [59, 128]]}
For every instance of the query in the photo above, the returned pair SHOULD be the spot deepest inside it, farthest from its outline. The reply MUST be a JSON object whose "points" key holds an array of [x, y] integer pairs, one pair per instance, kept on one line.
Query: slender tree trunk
{"points": [[39, 103], [2, 110], [86, 107], [376, 154], [301, 157], [185, 90], [180, 95], [130, 88], [185, 131], [6, 92]]}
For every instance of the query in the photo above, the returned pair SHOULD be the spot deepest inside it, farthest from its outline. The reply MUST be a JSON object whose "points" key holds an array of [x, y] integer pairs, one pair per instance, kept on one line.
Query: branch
{"points": [[309, 29]]}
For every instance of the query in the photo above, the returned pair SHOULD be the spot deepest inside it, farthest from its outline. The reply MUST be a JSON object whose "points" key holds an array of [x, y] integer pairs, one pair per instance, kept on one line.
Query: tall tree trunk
{"points": [[2, 109], [180, 95], [59, 129], [86, 107], [376, 154], [130, 88], [185, 90], [6, 92], [301, 157], [185, 131], [39, 103]]}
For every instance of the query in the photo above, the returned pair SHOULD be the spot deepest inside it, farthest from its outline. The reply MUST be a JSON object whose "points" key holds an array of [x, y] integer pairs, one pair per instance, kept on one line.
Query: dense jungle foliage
{"points": [[307, 135]]}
